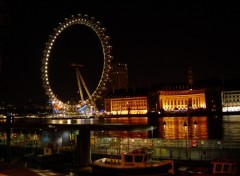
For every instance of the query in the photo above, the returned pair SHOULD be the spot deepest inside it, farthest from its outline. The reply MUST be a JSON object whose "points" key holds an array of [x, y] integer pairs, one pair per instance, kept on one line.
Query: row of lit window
{"points": [[124, 104], [179, 102], [231, 96], [231, 100], [115, 105]]}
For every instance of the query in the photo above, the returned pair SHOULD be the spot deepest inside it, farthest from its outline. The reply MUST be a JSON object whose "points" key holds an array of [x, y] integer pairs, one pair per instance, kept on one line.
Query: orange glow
{"points": [[174, 128]]}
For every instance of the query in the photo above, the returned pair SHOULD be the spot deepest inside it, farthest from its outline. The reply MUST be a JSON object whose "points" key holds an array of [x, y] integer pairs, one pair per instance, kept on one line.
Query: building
{"points": [[126, 105], [167, 101], [182, 100], [178, 98], [230, 101], [126, 101], [119, 76], [230, 96]]}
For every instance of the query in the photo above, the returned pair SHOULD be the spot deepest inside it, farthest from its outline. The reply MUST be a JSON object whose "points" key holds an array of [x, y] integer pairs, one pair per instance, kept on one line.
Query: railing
{"points": [[174, 149], [162, 148]]}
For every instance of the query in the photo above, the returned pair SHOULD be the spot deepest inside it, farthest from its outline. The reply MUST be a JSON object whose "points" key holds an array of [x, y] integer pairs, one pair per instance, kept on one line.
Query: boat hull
{"points": [[158, 170]]}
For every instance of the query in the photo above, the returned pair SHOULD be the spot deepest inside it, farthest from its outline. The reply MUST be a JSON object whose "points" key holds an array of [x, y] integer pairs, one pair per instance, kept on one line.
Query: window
{"points": [[226, 168], [234, 168], [218, 168], [128, 158], [138, 158]]}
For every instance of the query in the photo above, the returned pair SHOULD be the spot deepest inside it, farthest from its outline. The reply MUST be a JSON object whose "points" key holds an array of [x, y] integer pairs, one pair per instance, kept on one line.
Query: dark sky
{"points": [[158, 40]]}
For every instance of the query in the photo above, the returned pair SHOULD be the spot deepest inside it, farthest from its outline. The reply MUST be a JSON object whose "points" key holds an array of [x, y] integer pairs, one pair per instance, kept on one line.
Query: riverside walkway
{"points": [[171, 149]]}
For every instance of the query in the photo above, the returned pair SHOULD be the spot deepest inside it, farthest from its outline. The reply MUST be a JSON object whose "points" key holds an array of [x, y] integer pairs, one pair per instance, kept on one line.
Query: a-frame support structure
{"points": [[81, 81]]}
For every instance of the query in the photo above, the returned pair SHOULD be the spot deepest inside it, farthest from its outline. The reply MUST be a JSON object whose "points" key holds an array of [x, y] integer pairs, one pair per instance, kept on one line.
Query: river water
{"points": [[225, 127], [201, 127]]}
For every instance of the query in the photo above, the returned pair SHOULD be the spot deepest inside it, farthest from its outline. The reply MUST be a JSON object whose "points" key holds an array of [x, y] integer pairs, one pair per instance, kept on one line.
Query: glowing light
{"points": [[103, 39]]}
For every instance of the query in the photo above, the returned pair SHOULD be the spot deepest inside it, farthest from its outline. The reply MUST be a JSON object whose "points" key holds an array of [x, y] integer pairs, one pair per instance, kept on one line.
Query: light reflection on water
{"points": [[207, 127], [73, 121], [127, 120], [174, 128], [231, 127]]}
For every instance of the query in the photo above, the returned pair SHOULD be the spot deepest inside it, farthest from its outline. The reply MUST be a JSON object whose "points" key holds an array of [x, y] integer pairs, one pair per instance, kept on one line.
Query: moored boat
{"points": [[136, 162], [217, 167]]}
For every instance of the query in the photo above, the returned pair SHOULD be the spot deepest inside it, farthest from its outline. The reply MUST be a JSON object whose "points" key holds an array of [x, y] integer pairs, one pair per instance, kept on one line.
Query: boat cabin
{"points": [[137, 162], [217, 167], [136, 158], [224, 166]]}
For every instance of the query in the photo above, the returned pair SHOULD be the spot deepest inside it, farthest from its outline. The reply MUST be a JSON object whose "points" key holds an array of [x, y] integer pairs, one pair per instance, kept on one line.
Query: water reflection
{"points": [[163, 128], [73, 121], [170, 128], [127, 120], [196, 127], [230, 126]]}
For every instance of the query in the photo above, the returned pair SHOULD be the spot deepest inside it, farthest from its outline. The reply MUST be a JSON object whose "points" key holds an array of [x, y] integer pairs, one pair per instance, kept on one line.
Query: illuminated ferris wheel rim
{"points": [[95, 26]]}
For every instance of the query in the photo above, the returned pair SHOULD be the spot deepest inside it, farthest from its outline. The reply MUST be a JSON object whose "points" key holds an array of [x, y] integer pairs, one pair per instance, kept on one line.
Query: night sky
{"points": [[158, 40]]}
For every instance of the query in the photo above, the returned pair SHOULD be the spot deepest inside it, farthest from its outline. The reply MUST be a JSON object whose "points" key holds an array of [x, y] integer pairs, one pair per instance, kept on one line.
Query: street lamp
{"points": [[152, 131], [164, 128], [185, 129], [164, 123], [194, 142], [185, 124], [195, 123], [185, 132], [195, 127], [152, 136]]}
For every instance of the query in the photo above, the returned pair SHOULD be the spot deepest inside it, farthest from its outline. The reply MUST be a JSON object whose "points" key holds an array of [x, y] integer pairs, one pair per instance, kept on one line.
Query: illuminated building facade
{"points": [[177, 100], [230, 101], [167, 100], [203, 97], [128, 105], [174, 100]]}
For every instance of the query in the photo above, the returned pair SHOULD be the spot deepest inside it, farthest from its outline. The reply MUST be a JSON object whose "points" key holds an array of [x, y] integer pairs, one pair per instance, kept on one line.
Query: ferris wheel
{"points": [[107, 58]]}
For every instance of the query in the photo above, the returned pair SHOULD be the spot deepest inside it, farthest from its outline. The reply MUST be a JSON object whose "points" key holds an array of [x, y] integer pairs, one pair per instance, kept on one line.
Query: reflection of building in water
{"points": [[231, 101], [182, 99]]}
